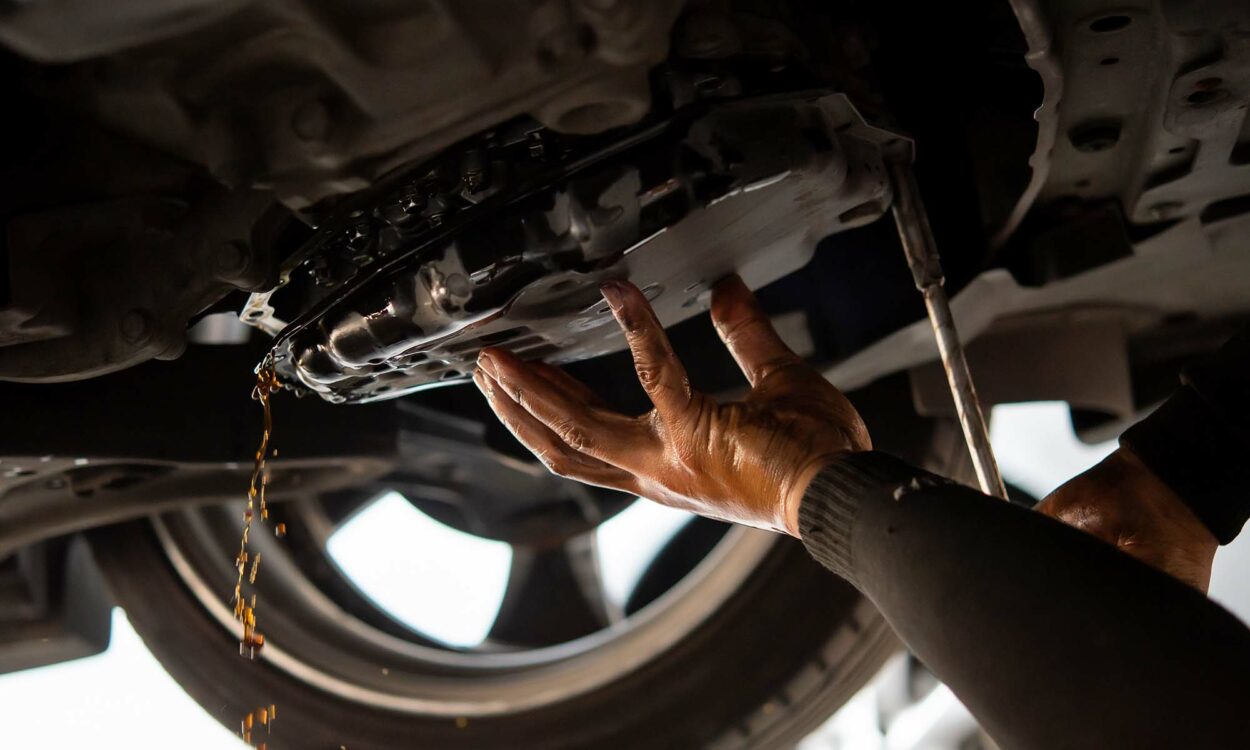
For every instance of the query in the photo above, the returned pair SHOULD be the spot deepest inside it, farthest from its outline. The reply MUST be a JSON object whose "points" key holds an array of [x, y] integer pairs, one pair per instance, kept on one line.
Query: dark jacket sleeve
{"points": [[1052, 638], [1198, 441]]}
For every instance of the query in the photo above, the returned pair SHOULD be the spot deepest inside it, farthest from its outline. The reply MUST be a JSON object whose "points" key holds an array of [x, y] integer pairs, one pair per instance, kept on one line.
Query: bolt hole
{"points": [[1095, 136], [1198, 98], [1109, 61], [1107, 24]]}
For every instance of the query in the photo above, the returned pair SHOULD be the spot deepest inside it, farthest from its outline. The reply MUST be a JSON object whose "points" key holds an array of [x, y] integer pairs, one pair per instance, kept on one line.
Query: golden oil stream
{"points": [[252, 640], [263, 716]]}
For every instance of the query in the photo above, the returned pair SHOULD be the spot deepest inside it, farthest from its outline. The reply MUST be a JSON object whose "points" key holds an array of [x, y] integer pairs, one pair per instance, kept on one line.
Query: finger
{"points": [[545, 445], [662, 375], [562, 379], [603, 434], [747, 332]]}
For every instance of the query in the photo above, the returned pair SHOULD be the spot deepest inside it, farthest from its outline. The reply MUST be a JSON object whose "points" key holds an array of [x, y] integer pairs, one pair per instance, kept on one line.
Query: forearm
{"points": [[1043, 631]]}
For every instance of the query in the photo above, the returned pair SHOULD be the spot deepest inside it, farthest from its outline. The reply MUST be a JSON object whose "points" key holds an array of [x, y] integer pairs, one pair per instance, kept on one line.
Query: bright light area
{"points": [[1036, 447], [433, 578], [629, 541], [119, 700]]}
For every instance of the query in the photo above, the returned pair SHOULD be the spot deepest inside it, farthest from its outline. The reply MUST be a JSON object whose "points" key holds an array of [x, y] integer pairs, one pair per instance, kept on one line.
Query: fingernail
{"points": [[611, 292], [487, 363]]}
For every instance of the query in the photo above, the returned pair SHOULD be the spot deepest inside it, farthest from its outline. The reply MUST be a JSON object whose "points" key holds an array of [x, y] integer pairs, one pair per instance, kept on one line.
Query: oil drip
{"points": [[264, 716], [252, 640]]}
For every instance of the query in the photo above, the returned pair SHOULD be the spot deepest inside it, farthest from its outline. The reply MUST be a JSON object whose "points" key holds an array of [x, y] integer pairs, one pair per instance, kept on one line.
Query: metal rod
{"points": [[926, 268]]}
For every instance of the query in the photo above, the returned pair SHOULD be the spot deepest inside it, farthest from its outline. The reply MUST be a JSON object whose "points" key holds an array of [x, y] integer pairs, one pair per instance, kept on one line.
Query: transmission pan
{"points": [[511, 253]]}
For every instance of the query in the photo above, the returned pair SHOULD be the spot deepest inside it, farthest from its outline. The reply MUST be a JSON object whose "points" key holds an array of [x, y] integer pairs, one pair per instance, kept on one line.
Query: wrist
{"points": [[792, 497]]}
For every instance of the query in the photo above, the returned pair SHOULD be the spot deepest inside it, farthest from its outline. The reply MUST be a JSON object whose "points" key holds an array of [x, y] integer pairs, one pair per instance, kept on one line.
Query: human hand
{"points": [[1123, 503], [748, 462]]}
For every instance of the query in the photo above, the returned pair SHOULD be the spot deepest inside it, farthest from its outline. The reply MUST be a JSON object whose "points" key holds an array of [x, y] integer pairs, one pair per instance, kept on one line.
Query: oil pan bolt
{"points": [[136, 327], [230, 262]]}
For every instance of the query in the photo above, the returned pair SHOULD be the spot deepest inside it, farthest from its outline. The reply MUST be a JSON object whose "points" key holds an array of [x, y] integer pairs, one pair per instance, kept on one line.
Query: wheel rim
{"points": [[315, 639]]}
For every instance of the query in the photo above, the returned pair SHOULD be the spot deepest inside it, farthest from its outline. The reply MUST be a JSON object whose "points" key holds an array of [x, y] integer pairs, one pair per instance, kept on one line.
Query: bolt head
{"points": [[358, 237], [311, 120], [136, 327], [231, 260]]}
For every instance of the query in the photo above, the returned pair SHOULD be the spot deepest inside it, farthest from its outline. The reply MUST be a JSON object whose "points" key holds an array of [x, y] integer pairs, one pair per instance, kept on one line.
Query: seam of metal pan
{"points": [[640, 637]]}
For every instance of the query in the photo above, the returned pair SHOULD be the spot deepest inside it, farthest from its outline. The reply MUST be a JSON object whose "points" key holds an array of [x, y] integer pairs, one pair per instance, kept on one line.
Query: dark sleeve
{"points": [[1198, 441], [1052, 638]]}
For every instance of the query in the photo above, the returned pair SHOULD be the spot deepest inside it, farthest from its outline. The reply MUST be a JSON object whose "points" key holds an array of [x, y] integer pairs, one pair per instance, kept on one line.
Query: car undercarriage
{"points": [[364, 195]]}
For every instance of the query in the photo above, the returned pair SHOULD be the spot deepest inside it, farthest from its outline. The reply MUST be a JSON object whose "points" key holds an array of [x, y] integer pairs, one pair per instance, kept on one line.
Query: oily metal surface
{"points": [[748, 186]]}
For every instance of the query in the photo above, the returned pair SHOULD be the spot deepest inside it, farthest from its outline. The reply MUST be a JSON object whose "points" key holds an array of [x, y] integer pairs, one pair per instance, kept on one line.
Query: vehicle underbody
{"points": [[363, 195]]}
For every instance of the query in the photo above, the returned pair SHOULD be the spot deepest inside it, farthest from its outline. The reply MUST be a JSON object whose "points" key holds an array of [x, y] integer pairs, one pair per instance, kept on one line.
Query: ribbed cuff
{"points": [[832, 502]]}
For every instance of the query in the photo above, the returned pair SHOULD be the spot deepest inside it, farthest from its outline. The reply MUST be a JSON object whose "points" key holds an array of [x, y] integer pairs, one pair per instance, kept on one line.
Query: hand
{"points": [[1123, 503], [748, 462]]}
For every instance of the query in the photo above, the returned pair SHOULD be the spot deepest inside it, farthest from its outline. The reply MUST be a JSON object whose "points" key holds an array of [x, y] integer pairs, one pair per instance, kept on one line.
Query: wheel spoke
{"points": [[554, 595]]}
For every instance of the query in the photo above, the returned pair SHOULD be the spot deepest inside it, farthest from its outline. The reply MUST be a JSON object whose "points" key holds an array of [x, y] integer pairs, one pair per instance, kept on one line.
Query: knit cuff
{"points": [[832, 502]]}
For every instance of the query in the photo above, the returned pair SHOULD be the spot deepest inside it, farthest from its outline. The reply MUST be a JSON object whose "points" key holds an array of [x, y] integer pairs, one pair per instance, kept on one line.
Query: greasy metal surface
{"points": [[1191, 271], [1035, 25], [164, 435], [764, 180], [100, 286], [1078, 356], [314, 99], [925, 263], [54, 496], [1145, 104], [74, 465]]}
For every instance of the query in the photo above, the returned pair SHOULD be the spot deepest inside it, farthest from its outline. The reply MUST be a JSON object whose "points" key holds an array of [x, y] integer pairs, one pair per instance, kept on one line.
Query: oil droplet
{"points": [[279, 530], [461, 722], [252, 640], [264, 716]]}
